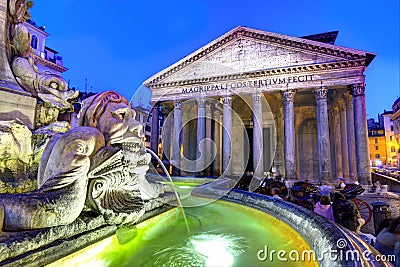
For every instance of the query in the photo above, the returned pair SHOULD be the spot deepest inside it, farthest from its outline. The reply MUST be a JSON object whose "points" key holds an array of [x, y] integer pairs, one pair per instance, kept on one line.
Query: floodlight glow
{"points": [[218, 249]]}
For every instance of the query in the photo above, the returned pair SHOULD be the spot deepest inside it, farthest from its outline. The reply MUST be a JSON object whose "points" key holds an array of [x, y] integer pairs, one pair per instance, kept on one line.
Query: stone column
{"points": [[324, 154], [344, 144], [155, 130], [361, 133], [351, 139], [166, 137], [217, 139], [258, 148], [176, 140], [208, 170], [289, 134], [338, 143], [331, 114], [227, 136], [201, 134]]}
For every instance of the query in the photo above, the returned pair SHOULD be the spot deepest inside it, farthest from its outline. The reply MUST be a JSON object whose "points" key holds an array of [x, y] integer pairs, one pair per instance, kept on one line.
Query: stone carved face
{"points": [[117, 184], [112, 115]]}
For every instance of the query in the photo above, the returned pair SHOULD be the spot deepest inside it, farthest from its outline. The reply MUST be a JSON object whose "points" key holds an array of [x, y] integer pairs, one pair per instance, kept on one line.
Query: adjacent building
{"points": [[395, 117], [46, 59], [266, 101], [383, 145], [142, 116]]}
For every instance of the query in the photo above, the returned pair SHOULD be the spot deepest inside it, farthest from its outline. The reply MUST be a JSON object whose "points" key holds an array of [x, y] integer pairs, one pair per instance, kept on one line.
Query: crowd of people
{"points": [[334, 206], [339, 209]]}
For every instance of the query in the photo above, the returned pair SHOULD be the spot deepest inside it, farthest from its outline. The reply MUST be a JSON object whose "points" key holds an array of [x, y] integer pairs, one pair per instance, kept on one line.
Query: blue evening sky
{"points": [[116, 45]]}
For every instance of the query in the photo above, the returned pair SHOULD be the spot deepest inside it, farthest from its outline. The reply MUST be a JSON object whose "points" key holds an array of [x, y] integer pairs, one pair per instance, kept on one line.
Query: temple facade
{"points": [[258, 101]]}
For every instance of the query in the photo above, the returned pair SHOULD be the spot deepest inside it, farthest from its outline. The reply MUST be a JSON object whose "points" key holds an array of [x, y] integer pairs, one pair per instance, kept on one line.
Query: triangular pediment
{"points": [[245, 50]]}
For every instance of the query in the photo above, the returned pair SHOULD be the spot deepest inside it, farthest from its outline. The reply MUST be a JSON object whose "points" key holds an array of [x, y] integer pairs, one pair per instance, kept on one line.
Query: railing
{"points": [[393, 183]]}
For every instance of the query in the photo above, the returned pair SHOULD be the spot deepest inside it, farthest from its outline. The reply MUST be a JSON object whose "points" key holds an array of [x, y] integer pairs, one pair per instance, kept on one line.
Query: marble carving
{"points": [[99, 166]]}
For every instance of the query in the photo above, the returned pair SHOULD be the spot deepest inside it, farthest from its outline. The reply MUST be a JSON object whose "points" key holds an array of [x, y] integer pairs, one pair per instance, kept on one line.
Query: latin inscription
{"points": [[248, 84]]}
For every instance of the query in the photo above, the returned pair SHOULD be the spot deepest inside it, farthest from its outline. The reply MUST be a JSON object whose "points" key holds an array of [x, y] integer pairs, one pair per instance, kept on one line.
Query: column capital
{"points": [[201, 102], [166, 107], [178, 104], [347, 97], [357, 89], [288, 95], [257, 97], [321, 93], [217, 108], [217, 112], [209, 107], [334, 108], [341, 105], [227, 100]]}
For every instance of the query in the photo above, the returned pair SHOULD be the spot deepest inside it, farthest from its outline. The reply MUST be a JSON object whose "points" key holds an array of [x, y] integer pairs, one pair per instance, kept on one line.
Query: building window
{"points": [[391, 138], [393, 149], [391, 128], [376, 147], [34, 42], [377, 156], [376, 140]]}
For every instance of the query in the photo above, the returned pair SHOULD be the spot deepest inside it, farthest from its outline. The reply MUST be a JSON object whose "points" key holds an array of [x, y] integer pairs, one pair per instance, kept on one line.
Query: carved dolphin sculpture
{"points": [[51, 88], [62, 192]]}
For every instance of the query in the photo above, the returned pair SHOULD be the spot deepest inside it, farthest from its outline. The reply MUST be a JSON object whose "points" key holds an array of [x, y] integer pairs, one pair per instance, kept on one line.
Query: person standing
{"points": [[345, 212]]}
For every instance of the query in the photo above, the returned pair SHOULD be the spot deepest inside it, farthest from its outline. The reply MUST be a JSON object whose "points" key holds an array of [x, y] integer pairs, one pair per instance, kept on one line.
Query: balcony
{"points": [[56, 59], [52, 61]]}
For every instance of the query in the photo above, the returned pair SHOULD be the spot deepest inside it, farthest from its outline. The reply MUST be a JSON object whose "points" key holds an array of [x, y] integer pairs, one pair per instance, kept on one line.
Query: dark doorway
{"points": [[248, 150], [267, 148], [308, 149]]}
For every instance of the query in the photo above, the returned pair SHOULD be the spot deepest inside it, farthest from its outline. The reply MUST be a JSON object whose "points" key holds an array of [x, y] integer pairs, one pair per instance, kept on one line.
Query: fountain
{"points": [[178, 197], [87, 199]]}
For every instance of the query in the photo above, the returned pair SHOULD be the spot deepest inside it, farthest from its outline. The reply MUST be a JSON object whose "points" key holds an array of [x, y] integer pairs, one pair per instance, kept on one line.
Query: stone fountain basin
{"points": [[45, 246]]}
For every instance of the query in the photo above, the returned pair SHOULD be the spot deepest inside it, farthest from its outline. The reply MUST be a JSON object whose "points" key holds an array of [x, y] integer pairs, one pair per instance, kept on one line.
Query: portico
{"points": [[263, 101]]}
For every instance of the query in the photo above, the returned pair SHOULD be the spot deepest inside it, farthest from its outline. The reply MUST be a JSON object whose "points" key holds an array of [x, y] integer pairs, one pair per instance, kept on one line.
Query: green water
{"points": [[221, 234]]}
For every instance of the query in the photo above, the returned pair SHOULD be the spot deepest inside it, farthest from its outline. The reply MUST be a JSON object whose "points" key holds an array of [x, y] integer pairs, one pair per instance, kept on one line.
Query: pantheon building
{"points": [[258, 101]]}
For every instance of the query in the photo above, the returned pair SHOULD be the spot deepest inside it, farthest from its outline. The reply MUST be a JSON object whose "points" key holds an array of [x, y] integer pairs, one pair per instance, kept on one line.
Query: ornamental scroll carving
{"points": [[201, 102], [50, 88], [178, 104], [288, 95], [227, 100], [321, 94], [358, 90], [257, 97]]}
